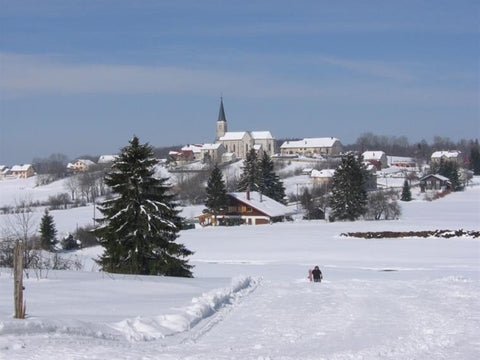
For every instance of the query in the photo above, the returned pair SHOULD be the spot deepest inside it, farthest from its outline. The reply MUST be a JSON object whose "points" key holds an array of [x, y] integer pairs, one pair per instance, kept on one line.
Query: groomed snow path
{"points": [[350, 319]]}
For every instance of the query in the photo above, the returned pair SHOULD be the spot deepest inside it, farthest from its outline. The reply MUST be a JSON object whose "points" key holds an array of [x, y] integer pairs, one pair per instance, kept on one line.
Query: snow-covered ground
{"points": [[406, 298]]}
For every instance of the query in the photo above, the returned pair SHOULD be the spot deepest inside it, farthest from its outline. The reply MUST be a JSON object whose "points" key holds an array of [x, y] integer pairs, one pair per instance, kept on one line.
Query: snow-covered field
{"points": [[407, 298]]}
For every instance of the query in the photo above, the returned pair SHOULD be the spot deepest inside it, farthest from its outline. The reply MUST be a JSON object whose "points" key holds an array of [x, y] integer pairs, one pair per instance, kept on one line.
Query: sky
{"points": [[82, 77]]}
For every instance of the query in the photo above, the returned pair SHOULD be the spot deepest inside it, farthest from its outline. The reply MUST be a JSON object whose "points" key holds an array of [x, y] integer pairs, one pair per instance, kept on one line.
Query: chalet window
{"points": [[249, 209]]}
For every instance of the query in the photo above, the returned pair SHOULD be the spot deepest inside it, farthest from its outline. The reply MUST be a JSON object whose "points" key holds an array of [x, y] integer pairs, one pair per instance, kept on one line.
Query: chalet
{"points": [[4, 171], [435, 182], [22, 171], [250, 208], [241, 142], [80, 165], [376, 158], [312, 146], [450, 155]]}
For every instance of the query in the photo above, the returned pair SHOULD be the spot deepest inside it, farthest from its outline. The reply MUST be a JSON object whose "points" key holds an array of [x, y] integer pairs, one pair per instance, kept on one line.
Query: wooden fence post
{"points": [[18, 281]]}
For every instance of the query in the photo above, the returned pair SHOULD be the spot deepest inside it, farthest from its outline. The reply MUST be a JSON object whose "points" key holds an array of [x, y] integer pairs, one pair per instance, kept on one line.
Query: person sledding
{"points": [[317, 274]]}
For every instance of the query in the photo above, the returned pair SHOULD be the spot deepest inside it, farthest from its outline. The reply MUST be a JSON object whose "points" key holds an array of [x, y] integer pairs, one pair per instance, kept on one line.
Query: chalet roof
{"points": [[437, 176], [221, 112], [24, 167], [447, 154], [310, 142], [87, 162], [267, 205], [373, 155]]}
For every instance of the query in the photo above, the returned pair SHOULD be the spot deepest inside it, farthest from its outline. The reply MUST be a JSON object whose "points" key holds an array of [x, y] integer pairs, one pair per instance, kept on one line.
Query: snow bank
{"points": [[208, 304]]}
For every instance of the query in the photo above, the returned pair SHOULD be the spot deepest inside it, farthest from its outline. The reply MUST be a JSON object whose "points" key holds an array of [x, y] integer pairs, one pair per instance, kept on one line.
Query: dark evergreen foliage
{"points": [[48, 232], [270, 184], [475, 159], [250, 178], [259, 175], [348, 196], [449, 169], [140, 223], [69, 243], [216, 192], [406, 193]]}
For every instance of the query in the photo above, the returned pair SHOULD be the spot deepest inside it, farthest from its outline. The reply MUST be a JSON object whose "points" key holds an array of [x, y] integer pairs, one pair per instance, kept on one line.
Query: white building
{"points": [[312, 146]]}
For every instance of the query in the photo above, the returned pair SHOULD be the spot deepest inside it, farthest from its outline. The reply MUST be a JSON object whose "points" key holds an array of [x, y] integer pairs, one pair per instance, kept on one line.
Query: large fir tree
{"points": [[250, 178], [140, 223], [270, 184], [406, 193], [348, 195], [48, 232], [475, 158], [216, 192]]}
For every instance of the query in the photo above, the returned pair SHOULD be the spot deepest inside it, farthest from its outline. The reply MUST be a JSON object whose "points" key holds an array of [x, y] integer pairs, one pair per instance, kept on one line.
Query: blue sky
{"points": [[81, 77]]}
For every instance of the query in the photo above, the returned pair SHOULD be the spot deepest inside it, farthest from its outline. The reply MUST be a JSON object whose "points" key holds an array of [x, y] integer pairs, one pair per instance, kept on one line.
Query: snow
{"points": [[262, 203], [409, 298]]}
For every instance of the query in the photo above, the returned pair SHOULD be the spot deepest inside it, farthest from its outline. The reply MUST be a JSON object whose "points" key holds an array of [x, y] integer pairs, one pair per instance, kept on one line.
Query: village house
{"points": [[322, 177], [329, 146], [241, 142], [450, 155], [376, 158], [4, 171], [401, 161], [80, 165], [250, 208], [435, 182], [22, 171]]}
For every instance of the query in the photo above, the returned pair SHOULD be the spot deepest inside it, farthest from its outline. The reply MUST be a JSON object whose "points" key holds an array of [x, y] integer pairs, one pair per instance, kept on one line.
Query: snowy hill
{"points": [[409, 298]]}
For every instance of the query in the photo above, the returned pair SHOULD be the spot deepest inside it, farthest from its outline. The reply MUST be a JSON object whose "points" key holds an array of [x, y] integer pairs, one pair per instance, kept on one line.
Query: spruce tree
{"points": [[348, 195], [48, 232], [140, 223], [475, 158], [216, 192], [406, 193], [250, 178], [270, 184]]}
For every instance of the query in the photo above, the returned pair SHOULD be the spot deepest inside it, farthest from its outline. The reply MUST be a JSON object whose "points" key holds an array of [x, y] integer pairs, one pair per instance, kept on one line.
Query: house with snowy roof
{"points": [[322, 177], [312, 146], [241, 142], [376, 158], [80, 165], [22, 171], [435, 182], [251, 208], [449, 155]]}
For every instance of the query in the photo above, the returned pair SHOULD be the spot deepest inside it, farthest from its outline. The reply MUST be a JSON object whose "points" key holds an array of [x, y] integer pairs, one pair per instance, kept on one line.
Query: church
{"points": [[241, 142]]}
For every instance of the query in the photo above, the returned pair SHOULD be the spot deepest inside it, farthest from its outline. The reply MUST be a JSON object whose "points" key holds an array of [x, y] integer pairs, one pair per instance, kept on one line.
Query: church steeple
{"points": [[221, 122]]}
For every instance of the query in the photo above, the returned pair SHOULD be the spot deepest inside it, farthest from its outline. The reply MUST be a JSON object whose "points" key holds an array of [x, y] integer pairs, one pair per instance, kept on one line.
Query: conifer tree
{"points": [[48, 232], [406, 193], [140, 223], [216, 192], [348, 198], [270, 184], [475, 158], [250, 178]]}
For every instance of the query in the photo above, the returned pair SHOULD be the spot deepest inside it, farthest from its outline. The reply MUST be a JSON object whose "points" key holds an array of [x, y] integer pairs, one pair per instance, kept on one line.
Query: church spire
{"points": [[221, 122], [221, 113]]}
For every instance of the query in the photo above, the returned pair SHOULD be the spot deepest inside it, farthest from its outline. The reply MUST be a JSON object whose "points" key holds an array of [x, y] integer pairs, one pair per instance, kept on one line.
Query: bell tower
{"points": [[221, 122]]}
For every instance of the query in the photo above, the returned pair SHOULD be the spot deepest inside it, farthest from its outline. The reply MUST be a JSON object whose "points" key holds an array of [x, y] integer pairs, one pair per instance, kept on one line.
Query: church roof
{"points": [[233, 135], [221, 112], [261, 135]]}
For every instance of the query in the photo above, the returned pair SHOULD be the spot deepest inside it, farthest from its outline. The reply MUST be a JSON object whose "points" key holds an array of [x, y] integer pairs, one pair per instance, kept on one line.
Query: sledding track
{"points": [[349, 319]]}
